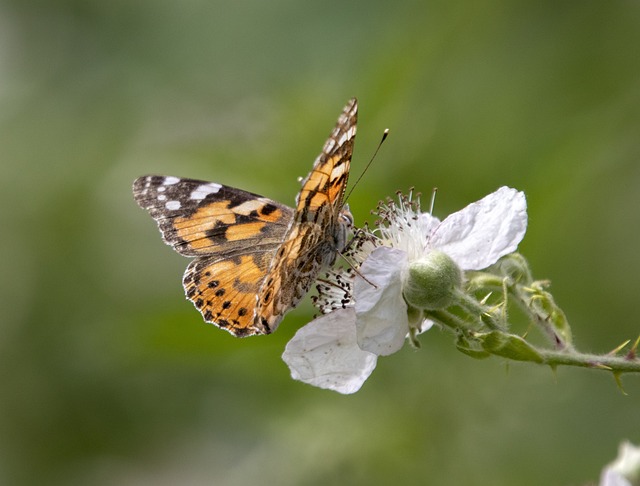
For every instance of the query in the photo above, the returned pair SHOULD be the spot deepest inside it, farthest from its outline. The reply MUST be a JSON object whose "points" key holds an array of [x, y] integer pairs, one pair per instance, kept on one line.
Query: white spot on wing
{"points": [[337, 172], [170, 180], [348, 135], [330, 145], [246, 207], [202, 191], [162, 189], [162, 197], [172, 205]]}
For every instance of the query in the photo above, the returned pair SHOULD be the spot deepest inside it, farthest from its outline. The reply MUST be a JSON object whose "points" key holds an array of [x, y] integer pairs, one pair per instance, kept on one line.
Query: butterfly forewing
{"points": [[310, 242], [327, 181], [204, 218]]}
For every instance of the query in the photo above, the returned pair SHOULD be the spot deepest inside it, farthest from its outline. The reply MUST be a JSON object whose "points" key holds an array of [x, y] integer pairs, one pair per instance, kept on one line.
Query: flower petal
{"points": [[425, 326], [324, 353], [427, 223], [478, 235], [382, 323], [610, 477]]}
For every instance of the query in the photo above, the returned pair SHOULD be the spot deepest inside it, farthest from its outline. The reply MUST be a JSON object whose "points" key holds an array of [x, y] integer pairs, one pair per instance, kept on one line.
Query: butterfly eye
{"points": [[346, 218]]}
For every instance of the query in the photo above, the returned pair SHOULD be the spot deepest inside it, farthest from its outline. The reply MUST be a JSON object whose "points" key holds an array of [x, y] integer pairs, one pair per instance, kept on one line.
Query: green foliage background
{"points": [[108, 376]]}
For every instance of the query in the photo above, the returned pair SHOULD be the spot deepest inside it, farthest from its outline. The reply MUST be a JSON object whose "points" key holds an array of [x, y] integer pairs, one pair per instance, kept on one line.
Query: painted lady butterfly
{"points": [[255, 258]]}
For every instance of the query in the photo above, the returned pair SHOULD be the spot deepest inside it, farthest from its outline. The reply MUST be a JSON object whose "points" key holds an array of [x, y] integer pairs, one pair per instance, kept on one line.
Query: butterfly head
{"points": [[345, 226]]}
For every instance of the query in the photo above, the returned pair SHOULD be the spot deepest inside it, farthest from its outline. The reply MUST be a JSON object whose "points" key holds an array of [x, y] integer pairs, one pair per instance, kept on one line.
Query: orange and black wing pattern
{"points": [[233, 233], [314, 239]]}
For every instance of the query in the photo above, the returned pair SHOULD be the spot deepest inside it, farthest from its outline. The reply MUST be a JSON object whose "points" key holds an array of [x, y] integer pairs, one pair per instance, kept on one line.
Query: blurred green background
{"points": [[110, 377]]}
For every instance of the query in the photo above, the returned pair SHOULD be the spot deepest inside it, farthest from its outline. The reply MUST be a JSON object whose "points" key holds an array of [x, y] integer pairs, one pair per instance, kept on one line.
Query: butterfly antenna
{"points": [[384, 137]]}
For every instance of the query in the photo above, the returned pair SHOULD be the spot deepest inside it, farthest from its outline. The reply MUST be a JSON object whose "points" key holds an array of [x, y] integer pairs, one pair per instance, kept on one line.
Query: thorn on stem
{"points": [[616, 350]]}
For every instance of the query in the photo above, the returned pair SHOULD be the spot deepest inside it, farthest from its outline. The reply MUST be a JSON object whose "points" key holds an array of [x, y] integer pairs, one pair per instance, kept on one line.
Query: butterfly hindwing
{"points": [[225, 290]]}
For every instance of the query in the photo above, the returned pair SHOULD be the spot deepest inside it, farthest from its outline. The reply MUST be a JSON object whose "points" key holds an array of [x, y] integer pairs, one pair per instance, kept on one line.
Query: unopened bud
{"points": [[432, 282], [509, 346]]}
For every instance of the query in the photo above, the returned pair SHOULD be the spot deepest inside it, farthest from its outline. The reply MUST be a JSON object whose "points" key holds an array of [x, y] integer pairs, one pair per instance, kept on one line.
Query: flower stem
{"points": [[450, 320], [534, 300], [615, 364], [513, 348], [482, 330], [478, 312]]}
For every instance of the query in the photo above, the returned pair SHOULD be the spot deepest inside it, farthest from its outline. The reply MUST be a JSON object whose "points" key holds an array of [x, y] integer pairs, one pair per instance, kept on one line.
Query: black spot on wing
{"points": [[268, 208], [265, 325]]}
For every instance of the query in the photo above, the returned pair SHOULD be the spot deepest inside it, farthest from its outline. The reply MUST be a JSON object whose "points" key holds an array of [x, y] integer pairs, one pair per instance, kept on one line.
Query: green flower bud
{"points": [[514, 266], [432, 282]]}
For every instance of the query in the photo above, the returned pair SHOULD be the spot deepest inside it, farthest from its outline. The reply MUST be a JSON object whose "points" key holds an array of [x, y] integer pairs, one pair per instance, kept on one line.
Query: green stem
{"points": [[478, 312], [615, 364], [485, 333], [449, 320], [534, 301]]}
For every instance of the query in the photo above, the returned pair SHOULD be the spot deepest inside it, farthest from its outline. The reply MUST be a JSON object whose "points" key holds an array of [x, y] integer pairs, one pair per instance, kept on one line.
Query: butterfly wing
{"points": [[233, 233], [325, 185], [225, 290], [199, 218], [310, 243]]}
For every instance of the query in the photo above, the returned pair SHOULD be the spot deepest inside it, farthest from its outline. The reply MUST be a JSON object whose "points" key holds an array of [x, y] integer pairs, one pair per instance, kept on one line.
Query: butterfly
{"points": [[255, 258]]}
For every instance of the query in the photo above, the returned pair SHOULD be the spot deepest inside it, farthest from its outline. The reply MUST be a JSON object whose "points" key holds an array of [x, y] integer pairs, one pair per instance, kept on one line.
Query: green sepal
{"points": [[509, 346], [545, 308], [514, 266], [468, 348]]}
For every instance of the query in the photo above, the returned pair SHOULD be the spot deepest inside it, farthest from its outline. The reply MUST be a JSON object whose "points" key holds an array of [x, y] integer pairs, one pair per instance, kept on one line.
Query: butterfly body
{"points": [[255, 258]]}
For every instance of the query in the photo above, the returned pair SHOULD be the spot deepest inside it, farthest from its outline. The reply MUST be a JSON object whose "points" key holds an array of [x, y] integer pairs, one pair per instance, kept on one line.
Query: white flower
{"points": [[625, 470], [414, 257], [473, 238]]}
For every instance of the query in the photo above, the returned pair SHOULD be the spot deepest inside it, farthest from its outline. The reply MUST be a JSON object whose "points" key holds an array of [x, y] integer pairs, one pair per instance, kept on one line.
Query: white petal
{"points": [[324, 353], [427, 223], [382, 323], [478, 235], [626, 466], [613, 478], [425, 326], [381, 268]]}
